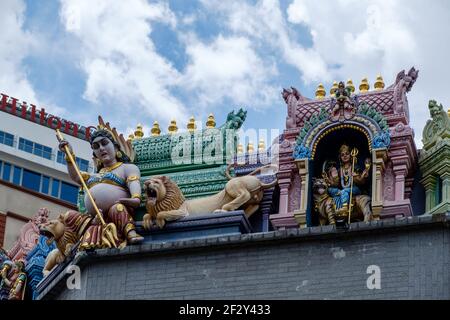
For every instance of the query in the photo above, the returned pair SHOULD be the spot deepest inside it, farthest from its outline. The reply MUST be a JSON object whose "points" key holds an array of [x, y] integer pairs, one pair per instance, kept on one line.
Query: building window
{"points": [[6, 174], [6, 138], [35, 148], [17, 175], [31, 180], [37, 182], [82, 164], [69, 192], [55, 188], [45, 184]]}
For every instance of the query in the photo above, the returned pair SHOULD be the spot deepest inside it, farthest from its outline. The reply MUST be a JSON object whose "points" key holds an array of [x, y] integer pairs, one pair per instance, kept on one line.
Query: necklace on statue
{"points": [[345, 177], [109, 169]]}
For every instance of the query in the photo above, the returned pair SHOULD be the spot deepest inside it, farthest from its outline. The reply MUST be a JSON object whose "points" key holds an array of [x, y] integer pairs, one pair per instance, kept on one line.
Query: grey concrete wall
{"points": [[312, 263]]}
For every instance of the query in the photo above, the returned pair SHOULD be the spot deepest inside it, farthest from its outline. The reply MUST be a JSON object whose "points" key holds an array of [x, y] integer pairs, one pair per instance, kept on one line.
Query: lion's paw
{"points": [[147, 221], [160, 222]]}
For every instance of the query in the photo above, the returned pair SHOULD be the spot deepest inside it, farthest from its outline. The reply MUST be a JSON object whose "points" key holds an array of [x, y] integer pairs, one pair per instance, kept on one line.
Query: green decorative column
{"points": [[434, 160]]}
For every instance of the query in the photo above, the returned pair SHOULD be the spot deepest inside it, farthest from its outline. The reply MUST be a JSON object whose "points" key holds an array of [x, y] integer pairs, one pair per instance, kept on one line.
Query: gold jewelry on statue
{"points": [[66, 157], [132, 178], [136, 195], [85, 176], [120, 207], [119, 154], [129, 227], [109, 169]]}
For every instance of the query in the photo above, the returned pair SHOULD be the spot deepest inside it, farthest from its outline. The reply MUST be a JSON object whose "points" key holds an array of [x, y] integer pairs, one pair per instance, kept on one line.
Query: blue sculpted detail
{"points": [[35, 264], [301, 152], [382, 140]]}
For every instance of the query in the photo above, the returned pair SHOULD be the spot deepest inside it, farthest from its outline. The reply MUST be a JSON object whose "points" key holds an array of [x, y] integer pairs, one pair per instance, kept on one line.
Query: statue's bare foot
{"points": [[220, 210], [134, 238]]}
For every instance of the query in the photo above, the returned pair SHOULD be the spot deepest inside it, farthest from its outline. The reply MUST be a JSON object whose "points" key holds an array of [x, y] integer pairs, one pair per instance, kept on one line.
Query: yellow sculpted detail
{"points": [[132, 178]]}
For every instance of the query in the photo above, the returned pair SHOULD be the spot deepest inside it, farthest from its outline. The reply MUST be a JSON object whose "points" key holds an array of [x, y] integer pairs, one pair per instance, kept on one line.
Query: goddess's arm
{"points": [[133, 176]]}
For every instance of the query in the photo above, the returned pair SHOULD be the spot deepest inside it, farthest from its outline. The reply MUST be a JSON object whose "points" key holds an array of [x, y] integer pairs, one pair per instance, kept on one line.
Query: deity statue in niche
{"points": [[340, 190]]}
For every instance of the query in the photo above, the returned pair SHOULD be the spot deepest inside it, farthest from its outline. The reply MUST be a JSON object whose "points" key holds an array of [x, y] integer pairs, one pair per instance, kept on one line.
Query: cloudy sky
{"points": [[139, 61]]}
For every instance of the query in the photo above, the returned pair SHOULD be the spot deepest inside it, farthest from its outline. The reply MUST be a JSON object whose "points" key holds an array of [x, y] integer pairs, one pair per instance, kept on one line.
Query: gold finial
{"points": [[138, 133], [333, 89], [448, 112], [211, 122], [250, 148], [364, 86], [130, 137], [261, 145], [173, 127], [156, 131], [350, 85], [320, 92], [240, 149], [191, 125], [379, 83]]}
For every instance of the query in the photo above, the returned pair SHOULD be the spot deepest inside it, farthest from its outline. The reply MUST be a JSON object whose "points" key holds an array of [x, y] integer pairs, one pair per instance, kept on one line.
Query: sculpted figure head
{"points": [[162, 194], [106, 149], [435, 108], [53, 229], [319, 186], [344, 153]]}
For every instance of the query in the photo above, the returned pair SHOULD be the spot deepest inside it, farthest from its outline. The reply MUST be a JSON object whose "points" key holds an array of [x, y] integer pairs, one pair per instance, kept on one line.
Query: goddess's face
{"points": [[104, 149], [345, 156]]}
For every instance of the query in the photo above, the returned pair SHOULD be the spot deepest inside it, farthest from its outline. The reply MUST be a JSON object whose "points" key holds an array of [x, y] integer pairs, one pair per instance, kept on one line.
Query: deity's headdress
{"points": [[344, 147], [123, 146]]}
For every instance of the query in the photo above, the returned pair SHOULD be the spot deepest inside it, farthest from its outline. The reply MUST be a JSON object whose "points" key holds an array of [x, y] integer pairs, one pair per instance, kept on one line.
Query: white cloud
{"points": [[229, 68], [265, 24], [18, 44], [366, 38], [353, 39], [120, 59]]}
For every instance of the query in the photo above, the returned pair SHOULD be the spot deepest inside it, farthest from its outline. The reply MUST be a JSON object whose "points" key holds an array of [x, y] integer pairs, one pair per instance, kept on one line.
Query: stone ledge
{"points": [[53, 281]]}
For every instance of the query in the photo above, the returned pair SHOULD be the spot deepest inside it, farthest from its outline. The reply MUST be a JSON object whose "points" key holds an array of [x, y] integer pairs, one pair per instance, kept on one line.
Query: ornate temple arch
{"points": [[344, 116]]}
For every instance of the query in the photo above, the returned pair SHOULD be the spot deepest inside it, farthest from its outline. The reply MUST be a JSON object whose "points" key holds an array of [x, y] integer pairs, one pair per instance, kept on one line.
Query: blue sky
{"points": [[138, 61]]}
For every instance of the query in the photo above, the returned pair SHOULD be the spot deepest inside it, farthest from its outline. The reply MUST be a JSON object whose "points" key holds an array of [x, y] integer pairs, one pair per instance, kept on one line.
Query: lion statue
{"points": [[324, 204], [165, 201], [66, 230]]}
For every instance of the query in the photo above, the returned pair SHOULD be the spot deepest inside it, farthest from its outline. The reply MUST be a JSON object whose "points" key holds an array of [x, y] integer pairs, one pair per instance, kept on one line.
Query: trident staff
{"points": [[109, 230], [354, 153]]}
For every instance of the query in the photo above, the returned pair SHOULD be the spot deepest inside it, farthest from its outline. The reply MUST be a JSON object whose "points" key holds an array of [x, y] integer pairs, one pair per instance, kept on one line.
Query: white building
{"points": [[33, 173]]}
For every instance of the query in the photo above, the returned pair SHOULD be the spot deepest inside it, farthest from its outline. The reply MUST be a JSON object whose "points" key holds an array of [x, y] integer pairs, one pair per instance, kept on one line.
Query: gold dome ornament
{"points": [[191, 125], [250, 148], [320, 92], [334, 89], [364, 86], [261, 145], [138, 133], [379, 83], [350, 85], [173, 127], [155, 130], [240, 149], [211, 122], [130, 137]]}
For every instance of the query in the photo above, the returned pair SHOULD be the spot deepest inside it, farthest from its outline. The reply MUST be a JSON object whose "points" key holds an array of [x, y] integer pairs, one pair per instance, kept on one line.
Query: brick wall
{"points": [[314, 263], [2, 228]]}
